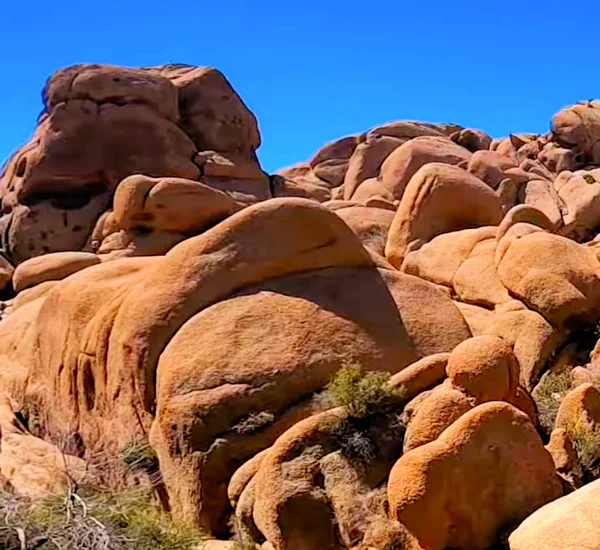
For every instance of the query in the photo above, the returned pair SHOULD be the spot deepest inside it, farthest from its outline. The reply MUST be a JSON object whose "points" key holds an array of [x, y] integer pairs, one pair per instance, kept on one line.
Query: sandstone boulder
{"points": [[405, 161], [570, 521], [439, 199], [440, 484], [51, 267]]}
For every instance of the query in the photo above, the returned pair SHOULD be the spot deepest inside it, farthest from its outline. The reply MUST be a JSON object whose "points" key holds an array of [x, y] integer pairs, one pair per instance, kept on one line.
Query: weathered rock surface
{"points": [[159, 287], [436, 490]]}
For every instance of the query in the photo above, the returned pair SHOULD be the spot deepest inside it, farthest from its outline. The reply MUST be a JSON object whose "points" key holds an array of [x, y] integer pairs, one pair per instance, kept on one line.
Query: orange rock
{"points": [[436, 490], [440, 198], [51, 267], [579, 411], [484, 368], [420, 376], [371, 225], [404, 162], [552, 275], [442, 407], [570, 522], [366, 160], [169, 204], [490, 167]]}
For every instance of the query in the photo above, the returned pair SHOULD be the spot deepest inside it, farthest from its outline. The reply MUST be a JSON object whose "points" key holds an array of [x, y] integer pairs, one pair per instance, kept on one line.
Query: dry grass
{"points": [[117, 506], [586, 442], [548, 394]]}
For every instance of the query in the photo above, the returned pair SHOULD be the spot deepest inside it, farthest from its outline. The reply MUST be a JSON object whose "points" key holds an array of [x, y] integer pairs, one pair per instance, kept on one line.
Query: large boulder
{"points": [[101, 124], [323, 332], [439, 199], [51, 267], [489, 470], [570, 522], [405, 161], [551, 274]]}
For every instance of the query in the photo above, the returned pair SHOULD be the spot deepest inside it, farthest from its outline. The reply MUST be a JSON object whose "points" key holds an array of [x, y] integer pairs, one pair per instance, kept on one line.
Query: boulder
{"points": [[323, 332], [552, 275], [578, 128], [439, 260], [441, 484], [421, 376], [51, 267], [490, 167], [169, 204], [580, 194], [366, 160], [542, 196], [572, 520], [441, 408], [101, 124], [405, 161], [484, 368], [439, 199]]}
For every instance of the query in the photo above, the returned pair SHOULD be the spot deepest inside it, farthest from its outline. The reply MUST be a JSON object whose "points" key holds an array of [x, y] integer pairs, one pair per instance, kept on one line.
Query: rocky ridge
{"points": [[160, 286]]}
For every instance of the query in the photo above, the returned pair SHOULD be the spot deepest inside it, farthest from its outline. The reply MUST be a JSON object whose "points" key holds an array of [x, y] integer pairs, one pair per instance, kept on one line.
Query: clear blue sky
{"points": [[314, 71]]}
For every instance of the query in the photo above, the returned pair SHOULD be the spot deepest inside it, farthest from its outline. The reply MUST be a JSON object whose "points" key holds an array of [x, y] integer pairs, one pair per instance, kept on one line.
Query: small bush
{"points": [[586, 442], [100, 521], [362, 393], [139, 456], [118, 505], [548, 395], [355, 441]]}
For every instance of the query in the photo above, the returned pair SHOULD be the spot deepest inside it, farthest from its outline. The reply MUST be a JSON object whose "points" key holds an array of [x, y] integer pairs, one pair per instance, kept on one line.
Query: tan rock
{"points": [[440, 199], [441, 408], [570, 521], [552, 275], [51, 267], [226, 381], [484, 368], [169, 204], [541, 195], [36, 468], [490, 167], [440, 484], [371, 187], [439, 260], [405, 161], [366, 160], [371, 225], [420, 376]]}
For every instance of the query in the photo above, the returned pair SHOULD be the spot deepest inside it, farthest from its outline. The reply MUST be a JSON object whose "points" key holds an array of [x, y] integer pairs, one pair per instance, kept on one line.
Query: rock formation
{"points": [[159, 286]]}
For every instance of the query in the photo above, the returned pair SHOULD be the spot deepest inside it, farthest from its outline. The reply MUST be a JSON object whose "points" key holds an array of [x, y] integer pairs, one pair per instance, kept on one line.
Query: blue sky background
{"points": [[314, 71]]}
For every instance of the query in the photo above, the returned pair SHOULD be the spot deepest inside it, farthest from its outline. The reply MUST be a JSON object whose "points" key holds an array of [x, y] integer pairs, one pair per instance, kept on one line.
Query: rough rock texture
{"points": [[438, 199], [159, 287], [436, 489], [571, 522]]}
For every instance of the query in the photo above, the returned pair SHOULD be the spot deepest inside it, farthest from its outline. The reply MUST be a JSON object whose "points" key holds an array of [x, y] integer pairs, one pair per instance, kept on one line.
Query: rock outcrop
{"points": [[159, 288]]}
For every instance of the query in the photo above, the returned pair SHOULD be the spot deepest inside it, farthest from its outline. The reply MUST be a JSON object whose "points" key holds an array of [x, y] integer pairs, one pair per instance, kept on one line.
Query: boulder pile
{"points": [[159, 286]]}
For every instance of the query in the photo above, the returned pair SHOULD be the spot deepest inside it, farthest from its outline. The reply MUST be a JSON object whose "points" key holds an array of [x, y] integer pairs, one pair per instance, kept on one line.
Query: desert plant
{"points": [[362, 393], [548, 394], [98, 521], [586, 442]]}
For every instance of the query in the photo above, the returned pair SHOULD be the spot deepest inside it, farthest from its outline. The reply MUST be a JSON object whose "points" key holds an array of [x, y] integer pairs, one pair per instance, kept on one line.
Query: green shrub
{"points": [[548, 394], [362, 393], [100, 521]]}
